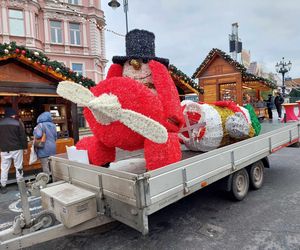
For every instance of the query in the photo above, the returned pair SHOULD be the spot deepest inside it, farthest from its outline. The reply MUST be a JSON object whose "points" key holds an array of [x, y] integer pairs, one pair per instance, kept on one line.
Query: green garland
{"points": [[33, 56], [254, 120], [245, 75], [182, 76]]}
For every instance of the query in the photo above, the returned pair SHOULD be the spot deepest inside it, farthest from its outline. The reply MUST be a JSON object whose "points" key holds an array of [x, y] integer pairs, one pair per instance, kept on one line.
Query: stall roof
{"points": [[293, 83], [39, 61], [184, 82], [246, 77]]}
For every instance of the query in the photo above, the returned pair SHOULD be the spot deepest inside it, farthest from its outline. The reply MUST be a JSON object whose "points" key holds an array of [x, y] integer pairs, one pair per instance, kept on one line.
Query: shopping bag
{"points": [[33, 156], [40, 143]]}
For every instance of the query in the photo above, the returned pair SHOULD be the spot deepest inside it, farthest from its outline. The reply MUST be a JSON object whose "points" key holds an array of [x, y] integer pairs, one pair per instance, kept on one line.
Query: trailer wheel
{"points": [[47, 218], [256, 173], [240, 185]]}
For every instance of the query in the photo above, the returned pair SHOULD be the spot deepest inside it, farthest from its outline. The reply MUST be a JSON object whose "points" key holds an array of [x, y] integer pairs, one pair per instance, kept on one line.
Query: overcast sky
{"points": [[185, 31]]}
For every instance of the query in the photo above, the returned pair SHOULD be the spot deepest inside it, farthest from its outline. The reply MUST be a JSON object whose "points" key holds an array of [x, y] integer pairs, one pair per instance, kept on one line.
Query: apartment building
{"points": [[64, 30]]}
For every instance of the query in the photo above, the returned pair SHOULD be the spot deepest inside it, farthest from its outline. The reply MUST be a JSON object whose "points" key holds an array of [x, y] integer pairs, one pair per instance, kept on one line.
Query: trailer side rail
{"points": [[166, 186]]}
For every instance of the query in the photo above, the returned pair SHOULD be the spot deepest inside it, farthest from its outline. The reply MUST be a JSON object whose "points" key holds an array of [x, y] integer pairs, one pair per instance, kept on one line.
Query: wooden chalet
{"points": [[28, 82], [185, 85], [223, 78]]}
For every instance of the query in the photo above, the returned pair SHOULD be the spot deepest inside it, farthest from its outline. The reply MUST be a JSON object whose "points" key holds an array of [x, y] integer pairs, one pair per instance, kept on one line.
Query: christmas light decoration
{"points": [[184, 79], [42, 62], [245, 75]]}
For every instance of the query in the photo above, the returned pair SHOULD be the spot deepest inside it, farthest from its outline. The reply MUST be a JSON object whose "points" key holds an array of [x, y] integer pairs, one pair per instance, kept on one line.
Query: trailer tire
{"points": [[47, 216], [256, 174], [240, 185]]}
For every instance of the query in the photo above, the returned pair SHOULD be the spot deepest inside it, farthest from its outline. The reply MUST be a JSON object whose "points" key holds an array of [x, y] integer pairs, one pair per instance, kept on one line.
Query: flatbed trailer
{"points": [[130, 198]]}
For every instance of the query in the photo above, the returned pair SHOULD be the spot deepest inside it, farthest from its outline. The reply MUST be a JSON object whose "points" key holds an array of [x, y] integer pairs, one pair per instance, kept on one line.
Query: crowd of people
{"points": [[14, 144], [270, 103], [276, 102]]}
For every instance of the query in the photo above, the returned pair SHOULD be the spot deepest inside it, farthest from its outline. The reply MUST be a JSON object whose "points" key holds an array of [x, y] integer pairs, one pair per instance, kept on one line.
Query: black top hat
{"points": [[140, 45]]}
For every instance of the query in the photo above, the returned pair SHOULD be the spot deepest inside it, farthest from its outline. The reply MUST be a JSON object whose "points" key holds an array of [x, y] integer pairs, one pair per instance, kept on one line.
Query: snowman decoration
{"points": [[136, 107]]}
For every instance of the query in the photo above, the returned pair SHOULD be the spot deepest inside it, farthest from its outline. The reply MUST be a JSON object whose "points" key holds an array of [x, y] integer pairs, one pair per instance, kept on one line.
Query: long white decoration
{"points": [[237, 126], [213, 125], [107, 109]]}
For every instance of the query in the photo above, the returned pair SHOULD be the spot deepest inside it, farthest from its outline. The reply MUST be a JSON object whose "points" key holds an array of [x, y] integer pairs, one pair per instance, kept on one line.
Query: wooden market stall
{"points": [[185, 85], [223, 78], [28, 82]]}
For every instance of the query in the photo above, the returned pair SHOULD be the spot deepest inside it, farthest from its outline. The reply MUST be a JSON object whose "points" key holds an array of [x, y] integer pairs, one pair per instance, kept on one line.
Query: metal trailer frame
{"points": [[28, 238], [131, 198]]}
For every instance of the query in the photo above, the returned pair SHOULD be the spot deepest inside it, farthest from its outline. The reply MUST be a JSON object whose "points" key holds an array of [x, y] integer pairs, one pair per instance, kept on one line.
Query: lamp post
{"points": [[282, 67], [115, 4]]}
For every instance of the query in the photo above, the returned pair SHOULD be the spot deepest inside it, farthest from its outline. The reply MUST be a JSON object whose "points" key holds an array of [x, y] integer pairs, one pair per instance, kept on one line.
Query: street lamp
{"points": [[283, 68], [115, 4]]}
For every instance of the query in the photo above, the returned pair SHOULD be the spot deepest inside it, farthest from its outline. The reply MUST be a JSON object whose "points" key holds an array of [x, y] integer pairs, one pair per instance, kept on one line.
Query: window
{"points": [[36, 26], [16, 22], [77, 67], [81, 120], [228, 92], [56, 31], [75, 33], [73, 2]]}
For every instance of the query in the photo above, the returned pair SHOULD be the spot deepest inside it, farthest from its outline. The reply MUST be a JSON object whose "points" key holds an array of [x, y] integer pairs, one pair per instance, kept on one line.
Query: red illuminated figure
{"points": [[136, 107]]}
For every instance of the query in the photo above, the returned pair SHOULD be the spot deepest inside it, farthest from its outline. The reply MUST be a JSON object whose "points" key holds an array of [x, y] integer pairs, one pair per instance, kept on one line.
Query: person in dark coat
{"points": [[278, 104], [270, 105], [46, 125], [13, 144]]}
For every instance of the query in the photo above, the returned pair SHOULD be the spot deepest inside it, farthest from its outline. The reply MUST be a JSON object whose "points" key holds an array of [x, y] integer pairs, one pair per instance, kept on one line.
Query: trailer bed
{"points": [[131, 198]]}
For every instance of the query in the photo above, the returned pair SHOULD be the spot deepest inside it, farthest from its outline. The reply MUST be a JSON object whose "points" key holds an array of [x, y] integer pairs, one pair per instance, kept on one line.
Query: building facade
{"points": [[65, 30]]}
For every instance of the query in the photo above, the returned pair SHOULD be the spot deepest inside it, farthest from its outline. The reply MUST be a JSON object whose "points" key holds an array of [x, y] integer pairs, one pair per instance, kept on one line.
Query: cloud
{"points": [[187, 30]]}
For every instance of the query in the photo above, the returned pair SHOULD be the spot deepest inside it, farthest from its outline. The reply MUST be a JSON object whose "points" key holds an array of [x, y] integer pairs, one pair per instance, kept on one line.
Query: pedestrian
{"points": [[278, 104], [246, 99], [45, 128], [270, 105], [13, 145], [260, 103]]}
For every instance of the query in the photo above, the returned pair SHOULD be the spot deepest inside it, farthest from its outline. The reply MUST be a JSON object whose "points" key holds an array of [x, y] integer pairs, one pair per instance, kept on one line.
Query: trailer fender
{"points": [[225, 183], [266, 162], [229, 183]]}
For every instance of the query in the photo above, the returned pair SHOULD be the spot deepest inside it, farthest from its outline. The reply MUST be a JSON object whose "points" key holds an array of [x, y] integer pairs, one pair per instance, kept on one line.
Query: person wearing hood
{"points": [[45, 125]]}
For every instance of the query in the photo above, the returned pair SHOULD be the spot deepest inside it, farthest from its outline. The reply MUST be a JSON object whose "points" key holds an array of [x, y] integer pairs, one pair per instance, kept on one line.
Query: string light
{"points": [[184, 79], [85, 18]]}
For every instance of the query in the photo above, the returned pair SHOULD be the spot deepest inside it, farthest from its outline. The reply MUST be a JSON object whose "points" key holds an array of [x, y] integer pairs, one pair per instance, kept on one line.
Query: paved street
{"points": [[266, 219]]}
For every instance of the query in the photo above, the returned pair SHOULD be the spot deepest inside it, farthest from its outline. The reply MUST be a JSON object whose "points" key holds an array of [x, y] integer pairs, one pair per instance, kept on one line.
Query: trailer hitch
{"points": [[40, 182], [25, 222]]}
